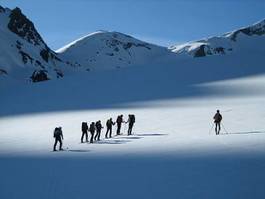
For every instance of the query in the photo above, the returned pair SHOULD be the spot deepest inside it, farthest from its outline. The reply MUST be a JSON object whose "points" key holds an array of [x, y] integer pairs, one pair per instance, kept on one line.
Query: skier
{"points": [[92, 131], [109, 125], [84, 131], [217, 120], [58, 135], [119, 121], [98, 130], [131, 121]]}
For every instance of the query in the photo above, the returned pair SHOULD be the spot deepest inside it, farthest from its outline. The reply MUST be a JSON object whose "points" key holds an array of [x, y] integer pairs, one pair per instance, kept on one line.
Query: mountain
{"points": [[173, 152], [109, 50], [24, 54], [251, 38]]}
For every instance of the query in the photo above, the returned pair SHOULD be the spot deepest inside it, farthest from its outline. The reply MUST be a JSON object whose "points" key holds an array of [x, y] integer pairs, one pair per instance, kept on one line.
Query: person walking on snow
{"points": [[84, 131], [119, 121], [58, 136], [109, 125], [92, 129], [217, 120], [131, 121], [98, 130]]}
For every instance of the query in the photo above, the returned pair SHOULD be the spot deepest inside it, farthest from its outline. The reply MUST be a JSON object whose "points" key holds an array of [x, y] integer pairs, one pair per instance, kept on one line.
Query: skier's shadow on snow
{"points": [[132, 138], [151, 134], [113, 141], [79, 150], [247, 132]]}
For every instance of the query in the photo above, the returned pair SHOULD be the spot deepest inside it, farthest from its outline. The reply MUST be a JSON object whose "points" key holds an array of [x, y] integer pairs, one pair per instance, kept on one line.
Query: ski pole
{"points": [[124, 128], [211, 129], [224, 128]]}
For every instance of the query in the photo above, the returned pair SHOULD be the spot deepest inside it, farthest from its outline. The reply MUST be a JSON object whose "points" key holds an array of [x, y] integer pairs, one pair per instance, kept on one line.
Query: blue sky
{"points": [[164, 22]]}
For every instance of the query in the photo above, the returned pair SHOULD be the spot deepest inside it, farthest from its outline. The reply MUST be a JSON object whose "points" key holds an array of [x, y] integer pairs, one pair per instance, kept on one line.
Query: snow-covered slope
{"points": [[25, 56], [23, 53], [248, 39], [109, 50], [173, 152]]}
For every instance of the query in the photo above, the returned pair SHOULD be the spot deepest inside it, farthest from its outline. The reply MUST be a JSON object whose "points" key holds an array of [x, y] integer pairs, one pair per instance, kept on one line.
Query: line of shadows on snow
{"points": [[113, 141], [124, 139], [151, 134], [247, 132]]}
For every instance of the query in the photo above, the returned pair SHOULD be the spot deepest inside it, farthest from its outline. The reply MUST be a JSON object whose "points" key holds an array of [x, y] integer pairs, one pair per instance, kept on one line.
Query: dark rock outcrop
{"points": [[23, 27], [3, 72], [2, 9], [25, 57], [219, 50], [39, 75], [258, 29], [200, 52]]}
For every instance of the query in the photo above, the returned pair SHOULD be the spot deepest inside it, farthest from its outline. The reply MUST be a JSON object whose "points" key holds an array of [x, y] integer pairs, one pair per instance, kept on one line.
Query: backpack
{"points": [[98, 125], [132, 118], [218, 117], [119, 119], [108, 123], [92, 127], [56, 132], [84, 126]]}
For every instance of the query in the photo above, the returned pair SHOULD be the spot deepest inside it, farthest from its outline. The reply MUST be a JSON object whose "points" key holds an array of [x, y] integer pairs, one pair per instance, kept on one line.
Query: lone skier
{"points": [[84, 131], [131, 121], [119, 121], [217, 120], [92, 129], [58, 136], [98, 130], [109, 125]]}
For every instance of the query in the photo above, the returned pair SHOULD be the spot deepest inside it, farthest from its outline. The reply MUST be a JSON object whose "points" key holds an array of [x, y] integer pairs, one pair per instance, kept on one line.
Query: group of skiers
{"points": [[96, 127], [95, 130]]}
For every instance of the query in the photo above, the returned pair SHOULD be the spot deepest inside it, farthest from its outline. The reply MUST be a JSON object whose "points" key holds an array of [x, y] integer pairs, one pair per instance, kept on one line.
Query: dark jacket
{"points": [[109, 123], [92, 128], [119, 120], [58, 134], [84, 126], [217, 118], [98, 126], [131, 119]]}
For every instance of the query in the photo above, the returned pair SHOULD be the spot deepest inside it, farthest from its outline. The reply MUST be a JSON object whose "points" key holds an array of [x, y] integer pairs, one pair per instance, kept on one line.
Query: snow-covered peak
{"points": [[257, 29], [23, 52], [246, 38], [108, 50], [79, 41]]}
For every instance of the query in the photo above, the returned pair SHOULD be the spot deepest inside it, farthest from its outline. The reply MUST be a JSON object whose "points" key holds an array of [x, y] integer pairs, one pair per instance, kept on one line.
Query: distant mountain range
{"points": [[244, 38], [24, 55]]}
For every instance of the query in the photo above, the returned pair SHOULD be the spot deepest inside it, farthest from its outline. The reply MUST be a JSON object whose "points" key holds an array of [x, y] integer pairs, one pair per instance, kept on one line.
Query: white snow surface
{"points": [[173, 152]]}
